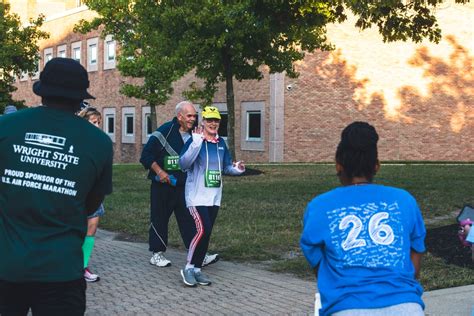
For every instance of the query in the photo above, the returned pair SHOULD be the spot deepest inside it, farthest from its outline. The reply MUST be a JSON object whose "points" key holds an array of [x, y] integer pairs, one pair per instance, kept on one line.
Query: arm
{"points": [[93, 201], [160, 172], [312, 239], [417, 238], [190, 150], [232, 168], [150, 153], [102, 185], [416, 260]]}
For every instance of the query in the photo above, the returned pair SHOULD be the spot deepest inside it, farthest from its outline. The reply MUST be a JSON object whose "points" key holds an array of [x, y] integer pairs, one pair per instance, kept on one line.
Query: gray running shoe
{"points": [[201, 278], [188, 277], [210, 259]]}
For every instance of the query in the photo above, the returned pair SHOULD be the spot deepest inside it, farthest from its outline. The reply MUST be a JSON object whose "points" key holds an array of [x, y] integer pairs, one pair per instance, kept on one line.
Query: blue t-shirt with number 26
{"points": [[361, 237]]}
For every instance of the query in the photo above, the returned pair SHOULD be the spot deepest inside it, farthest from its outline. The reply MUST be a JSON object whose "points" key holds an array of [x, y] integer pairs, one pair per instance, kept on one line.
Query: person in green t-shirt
{"points": [[51, 179]]}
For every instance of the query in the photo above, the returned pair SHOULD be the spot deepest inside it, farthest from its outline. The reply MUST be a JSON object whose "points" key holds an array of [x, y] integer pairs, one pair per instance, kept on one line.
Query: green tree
{"points": [[18, 53], [223, 40]]}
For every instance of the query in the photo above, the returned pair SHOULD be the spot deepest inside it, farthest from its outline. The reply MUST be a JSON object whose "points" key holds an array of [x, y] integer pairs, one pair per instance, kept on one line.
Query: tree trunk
{"points": [[153, 117], [229, 88]]}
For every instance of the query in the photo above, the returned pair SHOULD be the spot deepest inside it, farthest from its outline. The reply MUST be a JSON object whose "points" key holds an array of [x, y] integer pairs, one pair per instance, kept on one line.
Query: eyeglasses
{"points": [[212, 120]]}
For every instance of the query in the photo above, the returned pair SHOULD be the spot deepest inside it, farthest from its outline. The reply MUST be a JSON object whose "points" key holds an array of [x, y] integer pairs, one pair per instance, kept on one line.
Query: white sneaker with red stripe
{"points": [[89, 276]]}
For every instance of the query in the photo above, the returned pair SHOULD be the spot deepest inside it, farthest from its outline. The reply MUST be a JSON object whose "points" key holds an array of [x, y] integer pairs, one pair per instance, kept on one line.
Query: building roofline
{"points": [[66, 13]]}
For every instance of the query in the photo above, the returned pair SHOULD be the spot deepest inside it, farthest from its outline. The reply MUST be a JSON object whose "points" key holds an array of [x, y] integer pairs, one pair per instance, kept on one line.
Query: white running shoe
{"points": [[210, 259], [159, 260], [89, 276]]}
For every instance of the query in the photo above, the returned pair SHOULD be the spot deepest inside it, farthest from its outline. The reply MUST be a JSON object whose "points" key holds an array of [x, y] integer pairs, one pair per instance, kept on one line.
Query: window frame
{"points": [[76, 46], [248, 137], [246, 142], [110, 113], [92, 46], [146, 112], [47, 55], [109, 64], [60, 49], [128, 138]]}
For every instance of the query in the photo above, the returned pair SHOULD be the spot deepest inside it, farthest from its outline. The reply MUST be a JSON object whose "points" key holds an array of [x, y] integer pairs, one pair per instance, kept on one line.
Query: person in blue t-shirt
{"points": [[364, 240]]}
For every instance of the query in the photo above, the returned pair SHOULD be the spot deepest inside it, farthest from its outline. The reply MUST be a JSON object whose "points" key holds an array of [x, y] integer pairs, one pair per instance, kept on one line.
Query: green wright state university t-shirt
{"points": [[49, 161]]}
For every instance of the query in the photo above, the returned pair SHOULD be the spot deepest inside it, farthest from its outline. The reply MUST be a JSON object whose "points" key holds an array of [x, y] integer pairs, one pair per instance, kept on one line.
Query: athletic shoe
{"points": [[89, 276], [159, 260], [210, 259], [188, 277], [201, 278]]}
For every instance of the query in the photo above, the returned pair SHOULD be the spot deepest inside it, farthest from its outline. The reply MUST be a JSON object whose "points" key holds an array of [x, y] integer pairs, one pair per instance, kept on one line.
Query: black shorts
{"points": [[43, 298]]}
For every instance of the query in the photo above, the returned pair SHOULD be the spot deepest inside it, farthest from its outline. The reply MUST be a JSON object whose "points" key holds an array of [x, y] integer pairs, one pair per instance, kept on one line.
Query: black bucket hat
{"points": [[63, 77]]}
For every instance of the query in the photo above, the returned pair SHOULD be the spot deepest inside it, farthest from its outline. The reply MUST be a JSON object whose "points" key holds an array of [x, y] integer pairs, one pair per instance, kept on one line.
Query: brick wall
{"points": [[418, 96]]}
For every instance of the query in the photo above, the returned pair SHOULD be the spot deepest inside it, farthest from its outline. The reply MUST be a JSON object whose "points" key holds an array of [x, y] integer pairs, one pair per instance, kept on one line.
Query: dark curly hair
{"points": [[357, 150]]}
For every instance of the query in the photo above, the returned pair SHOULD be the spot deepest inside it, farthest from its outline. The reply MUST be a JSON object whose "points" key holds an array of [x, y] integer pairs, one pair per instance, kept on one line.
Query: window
{"points": [[128, 125], [93, 56], [146, 124], [62, 51], [223, 125], [92, 47], [149, 129], [76, 51], [109, 52], [48, 55], [252, 126], [109, 122]]}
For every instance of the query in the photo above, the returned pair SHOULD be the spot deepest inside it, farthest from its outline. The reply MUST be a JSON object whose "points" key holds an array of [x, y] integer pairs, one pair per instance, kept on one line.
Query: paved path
{"points": [[131, 286]]}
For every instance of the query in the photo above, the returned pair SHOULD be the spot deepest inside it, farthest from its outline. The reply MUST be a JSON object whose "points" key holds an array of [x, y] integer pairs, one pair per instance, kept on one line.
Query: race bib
{"points": [[171, 163], [212, 179]]}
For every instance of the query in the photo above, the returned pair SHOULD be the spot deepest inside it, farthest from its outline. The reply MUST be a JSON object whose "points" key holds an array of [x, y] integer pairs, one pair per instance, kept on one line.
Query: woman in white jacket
{"points": [[205, 157]]}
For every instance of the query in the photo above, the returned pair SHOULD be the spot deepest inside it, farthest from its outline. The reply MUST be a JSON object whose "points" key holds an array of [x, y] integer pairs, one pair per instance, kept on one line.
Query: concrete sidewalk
{"points": [[132, 286]]}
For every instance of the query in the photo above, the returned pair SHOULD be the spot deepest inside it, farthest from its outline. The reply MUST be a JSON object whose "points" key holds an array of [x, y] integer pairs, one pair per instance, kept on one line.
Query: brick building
{"points": [[420, 97]]}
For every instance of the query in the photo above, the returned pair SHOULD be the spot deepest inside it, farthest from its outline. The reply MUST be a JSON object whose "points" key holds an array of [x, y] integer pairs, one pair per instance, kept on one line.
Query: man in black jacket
{"points": [[160, 156]]}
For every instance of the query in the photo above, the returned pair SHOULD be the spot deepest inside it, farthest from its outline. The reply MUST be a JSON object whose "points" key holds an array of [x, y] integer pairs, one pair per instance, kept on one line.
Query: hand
{"points": [[239, 165], [198, 134], [162, 177], [198, 130]]}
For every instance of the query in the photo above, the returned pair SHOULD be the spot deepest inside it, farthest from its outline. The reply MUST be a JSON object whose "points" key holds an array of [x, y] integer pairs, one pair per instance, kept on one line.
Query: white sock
{"points": [[189, 266], [197, 269]]}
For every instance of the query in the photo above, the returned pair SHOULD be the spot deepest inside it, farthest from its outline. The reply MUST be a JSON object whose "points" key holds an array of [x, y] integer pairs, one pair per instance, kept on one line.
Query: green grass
{"points": [[260, 216]]}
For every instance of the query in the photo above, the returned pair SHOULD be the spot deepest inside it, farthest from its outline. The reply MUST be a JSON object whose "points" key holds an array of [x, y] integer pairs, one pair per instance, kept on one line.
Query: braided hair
{"points": [[357, 150]]}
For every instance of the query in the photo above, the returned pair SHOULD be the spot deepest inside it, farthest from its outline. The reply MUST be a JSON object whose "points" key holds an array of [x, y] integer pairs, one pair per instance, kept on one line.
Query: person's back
{"points": [[48, 165], [364, 240], [51, 179], [367, 231]]}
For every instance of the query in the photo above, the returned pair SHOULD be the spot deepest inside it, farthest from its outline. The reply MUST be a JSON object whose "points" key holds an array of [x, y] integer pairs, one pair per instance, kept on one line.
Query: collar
{"points": [[215, 140]]}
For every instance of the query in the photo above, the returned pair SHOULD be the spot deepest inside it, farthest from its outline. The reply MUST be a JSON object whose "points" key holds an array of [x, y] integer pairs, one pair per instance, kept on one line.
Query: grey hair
{"points": [[180, 106]]}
